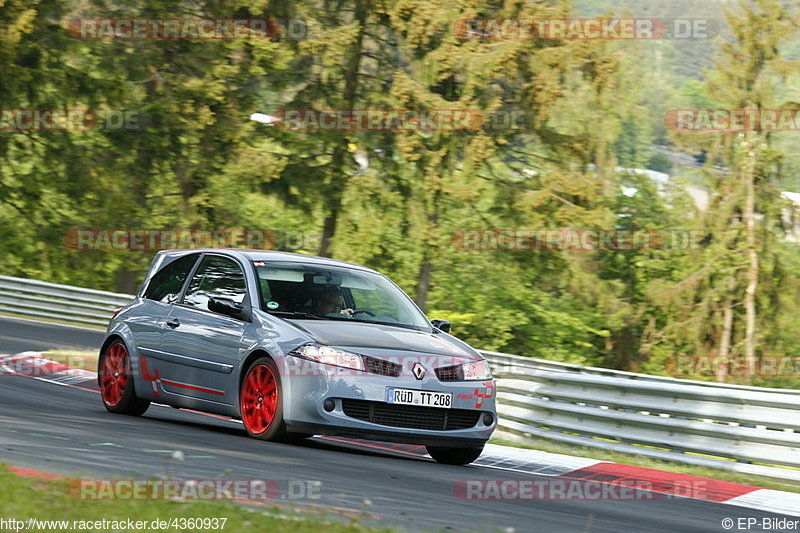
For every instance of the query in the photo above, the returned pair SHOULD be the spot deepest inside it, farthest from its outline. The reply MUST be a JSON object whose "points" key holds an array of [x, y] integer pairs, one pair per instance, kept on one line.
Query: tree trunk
{"points": [[341, 151], [426, 266], [329, 227], [727, 328], [423, 282], [749, 216]]}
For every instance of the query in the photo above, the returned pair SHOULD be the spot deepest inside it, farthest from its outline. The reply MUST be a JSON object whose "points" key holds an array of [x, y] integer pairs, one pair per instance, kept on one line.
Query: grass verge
{"points": [[24, 498]]}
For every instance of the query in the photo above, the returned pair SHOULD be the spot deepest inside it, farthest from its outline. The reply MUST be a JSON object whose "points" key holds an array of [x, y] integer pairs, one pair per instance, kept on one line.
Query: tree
{"points": [[715, 306]]}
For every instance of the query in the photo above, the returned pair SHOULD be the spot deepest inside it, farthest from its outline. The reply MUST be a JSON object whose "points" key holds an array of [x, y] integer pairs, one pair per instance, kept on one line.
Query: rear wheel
{"points": [[261, 403], [454, 456], [116, 382]]}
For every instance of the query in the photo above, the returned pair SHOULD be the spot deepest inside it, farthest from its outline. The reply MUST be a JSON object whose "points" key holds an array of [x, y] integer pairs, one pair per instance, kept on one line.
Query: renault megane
{"points": [[295, 346]]}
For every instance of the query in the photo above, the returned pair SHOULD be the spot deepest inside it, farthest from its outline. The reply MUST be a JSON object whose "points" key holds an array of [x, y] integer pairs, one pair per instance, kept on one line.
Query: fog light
{"points": [[488, 419], [329, 405]]}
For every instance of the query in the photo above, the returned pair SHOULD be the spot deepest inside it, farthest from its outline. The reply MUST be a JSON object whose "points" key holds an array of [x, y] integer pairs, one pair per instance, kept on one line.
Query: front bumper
{"points": [[305, 394]]}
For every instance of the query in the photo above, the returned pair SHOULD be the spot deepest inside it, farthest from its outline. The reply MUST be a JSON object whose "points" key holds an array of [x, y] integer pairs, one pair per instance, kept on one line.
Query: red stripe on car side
{"points": [[191, 387]]}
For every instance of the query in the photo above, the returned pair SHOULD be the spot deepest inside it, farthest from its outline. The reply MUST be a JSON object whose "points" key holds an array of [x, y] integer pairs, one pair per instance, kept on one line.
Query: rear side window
{"points": [[167, 282], [216, 276]]}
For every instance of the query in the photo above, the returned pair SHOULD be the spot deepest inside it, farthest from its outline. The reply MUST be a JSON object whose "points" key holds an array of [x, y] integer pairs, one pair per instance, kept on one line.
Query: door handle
{"points": [[174, 323]]}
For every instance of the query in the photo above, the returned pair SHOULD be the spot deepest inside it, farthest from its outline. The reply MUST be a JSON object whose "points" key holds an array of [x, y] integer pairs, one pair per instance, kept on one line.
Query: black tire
{"points": [[295, 438], [276, 430], [128, 403], [454, 456]]}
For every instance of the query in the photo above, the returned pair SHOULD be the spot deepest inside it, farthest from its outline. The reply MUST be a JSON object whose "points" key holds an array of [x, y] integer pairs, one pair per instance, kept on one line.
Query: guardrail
{"points": [[64, 303], [747, 429]]}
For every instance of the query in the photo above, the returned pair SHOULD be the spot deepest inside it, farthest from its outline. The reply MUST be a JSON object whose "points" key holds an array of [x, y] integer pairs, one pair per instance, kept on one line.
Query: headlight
{"points": [[477, 370], [328, 355]]}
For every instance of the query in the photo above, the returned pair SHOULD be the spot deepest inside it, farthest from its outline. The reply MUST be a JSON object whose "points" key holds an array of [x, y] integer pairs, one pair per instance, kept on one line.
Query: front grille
{"points": [[450, 373], [374, 365], [410, 416]]}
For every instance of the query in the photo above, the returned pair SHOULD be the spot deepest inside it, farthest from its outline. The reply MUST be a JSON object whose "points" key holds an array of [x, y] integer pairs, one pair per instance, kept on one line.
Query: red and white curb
{"points": [[566, 467], [34, 365]]}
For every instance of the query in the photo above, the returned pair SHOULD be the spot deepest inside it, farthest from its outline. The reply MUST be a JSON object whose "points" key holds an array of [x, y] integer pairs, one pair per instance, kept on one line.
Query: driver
{"points": [[330, 301]]}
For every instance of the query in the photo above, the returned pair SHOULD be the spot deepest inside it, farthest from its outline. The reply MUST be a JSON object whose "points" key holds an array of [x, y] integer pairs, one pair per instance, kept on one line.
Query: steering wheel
{"points": [[367, 311]]}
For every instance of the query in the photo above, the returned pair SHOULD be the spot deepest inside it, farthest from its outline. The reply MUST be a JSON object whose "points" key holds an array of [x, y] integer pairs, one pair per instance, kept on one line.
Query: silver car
{"points": [[295, 346]]}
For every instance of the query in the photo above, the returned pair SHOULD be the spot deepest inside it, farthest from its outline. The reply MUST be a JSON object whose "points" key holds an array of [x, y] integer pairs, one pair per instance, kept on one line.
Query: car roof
{"points": [[268, 255]]}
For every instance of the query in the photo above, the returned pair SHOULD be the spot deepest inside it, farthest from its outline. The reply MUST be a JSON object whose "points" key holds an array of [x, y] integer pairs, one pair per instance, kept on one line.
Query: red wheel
{"points": [[116, 382], [261, 404], [259, 399], [114, 377]]}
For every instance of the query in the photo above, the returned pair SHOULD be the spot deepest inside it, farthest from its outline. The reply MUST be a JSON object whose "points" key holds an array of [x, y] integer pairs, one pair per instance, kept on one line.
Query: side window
{"points": [[216, 276], [167, 282]]}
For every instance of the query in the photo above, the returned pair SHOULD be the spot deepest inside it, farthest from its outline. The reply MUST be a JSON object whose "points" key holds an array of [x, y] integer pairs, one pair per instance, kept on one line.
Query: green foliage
{"points": [[395, 199]]}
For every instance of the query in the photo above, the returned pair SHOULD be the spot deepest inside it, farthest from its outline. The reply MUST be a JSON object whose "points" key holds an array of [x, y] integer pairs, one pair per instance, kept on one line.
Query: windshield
{"points": [[296, 290]]}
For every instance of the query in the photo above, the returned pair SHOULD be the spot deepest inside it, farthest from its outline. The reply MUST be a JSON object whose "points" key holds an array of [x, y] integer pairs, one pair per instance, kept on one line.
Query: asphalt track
{"points": [[20, 335], [65, 430]]}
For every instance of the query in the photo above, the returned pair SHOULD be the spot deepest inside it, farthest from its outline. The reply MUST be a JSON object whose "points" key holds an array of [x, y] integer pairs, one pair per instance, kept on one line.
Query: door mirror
{"points": [[225, 306], [441, 325]]}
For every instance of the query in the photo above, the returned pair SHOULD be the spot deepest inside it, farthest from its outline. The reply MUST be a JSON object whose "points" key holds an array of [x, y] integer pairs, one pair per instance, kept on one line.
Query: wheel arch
{"points": [[258, 353], [111, 339]]}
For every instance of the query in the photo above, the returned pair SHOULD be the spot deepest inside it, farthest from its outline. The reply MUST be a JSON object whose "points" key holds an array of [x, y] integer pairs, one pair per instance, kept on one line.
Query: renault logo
{"points": [[418, 371]]}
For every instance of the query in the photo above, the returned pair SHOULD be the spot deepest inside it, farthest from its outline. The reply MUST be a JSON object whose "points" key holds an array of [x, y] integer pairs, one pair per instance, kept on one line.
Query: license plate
{"points": [[419, 397]]}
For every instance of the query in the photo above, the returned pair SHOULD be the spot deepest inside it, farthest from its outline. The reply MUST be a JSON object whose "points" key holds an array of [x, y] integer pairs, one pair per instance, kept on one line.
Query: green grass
{"points": [[647, 462], [23, 498]]}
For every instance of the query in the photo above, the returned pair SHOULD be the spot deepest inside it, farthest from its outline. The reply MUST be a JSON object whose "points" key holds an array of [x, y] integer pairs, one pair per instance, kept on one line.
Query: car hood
{"points": [[372, 337]]}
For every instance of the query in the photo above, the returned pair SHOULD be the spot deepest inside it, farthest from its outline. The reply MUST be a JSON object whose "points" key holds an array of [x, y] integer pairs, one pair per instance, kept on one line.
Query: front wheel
{"points": [[261, 402], [116, 382], [454, 456]]}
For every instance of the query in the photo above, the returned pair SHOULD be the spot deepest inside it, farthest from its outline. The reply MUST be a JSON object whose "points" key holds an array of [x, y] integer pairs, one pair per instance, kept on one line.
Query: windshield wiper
{"points": [[302, 314], [295, 314], [368, 321]]}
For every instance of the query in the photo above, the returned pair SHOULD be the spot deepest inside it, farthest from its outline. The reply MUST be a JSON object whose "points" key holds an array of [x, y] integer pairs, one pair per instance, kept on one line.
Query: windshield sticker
{"points": [[272, 304]]}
